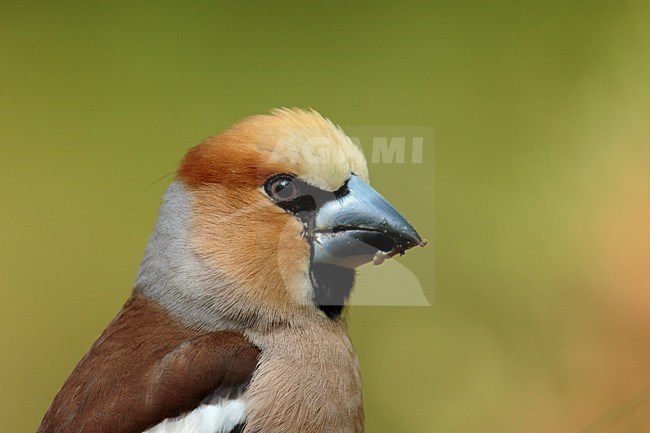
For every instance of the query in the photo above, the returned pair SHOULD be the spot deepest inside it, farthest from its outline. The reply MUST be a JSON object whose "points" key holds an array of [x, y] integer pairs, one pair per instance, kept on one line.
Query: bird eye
{"points": [[281, 187]]}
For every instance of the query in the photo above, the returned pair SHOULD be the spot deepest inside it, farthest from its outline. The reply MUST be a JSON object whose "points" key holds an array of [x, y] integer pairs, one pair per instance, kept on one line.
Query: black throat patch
{"points": [[332, 286]]}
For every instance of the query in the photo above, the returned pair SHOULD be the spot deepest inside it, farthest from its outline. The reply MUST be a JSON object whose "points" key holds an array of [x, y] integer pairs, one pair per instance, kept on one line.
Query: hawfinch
{"points": [[234, 323]]}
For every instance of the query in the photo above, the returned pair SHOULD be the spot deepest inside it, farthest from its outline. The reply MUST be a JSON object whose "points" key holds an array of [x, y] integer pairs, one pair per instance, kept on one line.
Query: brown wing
{"points": [[146, 367]]}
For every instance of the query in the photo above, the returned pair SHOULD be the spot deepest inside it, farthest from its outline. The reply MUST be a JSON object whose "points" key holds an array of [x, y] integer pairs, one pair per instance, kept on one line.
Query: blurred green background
{"points": [[536, 200]]}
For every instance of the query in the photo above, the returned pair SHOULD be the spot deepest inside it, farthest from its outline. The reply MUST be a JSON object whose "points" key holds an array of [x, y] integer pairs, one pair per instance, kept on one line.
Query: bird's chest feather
{"points": [[307, 381]]}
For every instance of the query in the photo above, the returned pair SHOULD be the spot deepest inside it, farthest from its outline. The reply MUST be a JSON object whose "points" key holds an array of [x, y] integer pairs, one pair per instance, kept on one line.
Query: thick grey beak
{"points": [[360, 227]]}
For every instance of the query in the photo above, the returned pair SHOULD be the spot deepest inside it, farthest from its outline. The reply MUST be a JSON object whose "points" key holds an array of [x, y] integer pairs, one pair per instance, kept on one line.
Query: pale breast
{"points": [[307, 381]]}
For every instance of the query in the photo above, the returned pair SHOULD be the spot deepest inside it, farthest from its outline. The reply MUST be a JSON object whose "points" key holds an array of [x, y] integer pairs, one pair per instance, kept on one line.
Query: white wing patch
{"points": [[219, 418]]}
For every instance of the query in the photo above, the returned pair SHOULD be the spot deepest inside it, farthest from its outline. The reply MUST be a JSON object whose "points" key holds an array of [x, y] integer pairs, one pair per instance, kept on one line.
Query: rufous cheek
{"points": [[292, 258], [252, 242]]}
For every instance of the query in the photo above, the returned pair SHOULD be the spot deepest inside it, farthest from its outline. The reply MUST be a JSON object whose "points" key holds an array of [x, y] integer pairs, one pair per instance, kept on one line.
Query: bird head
{"points": [[266, 222]]}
